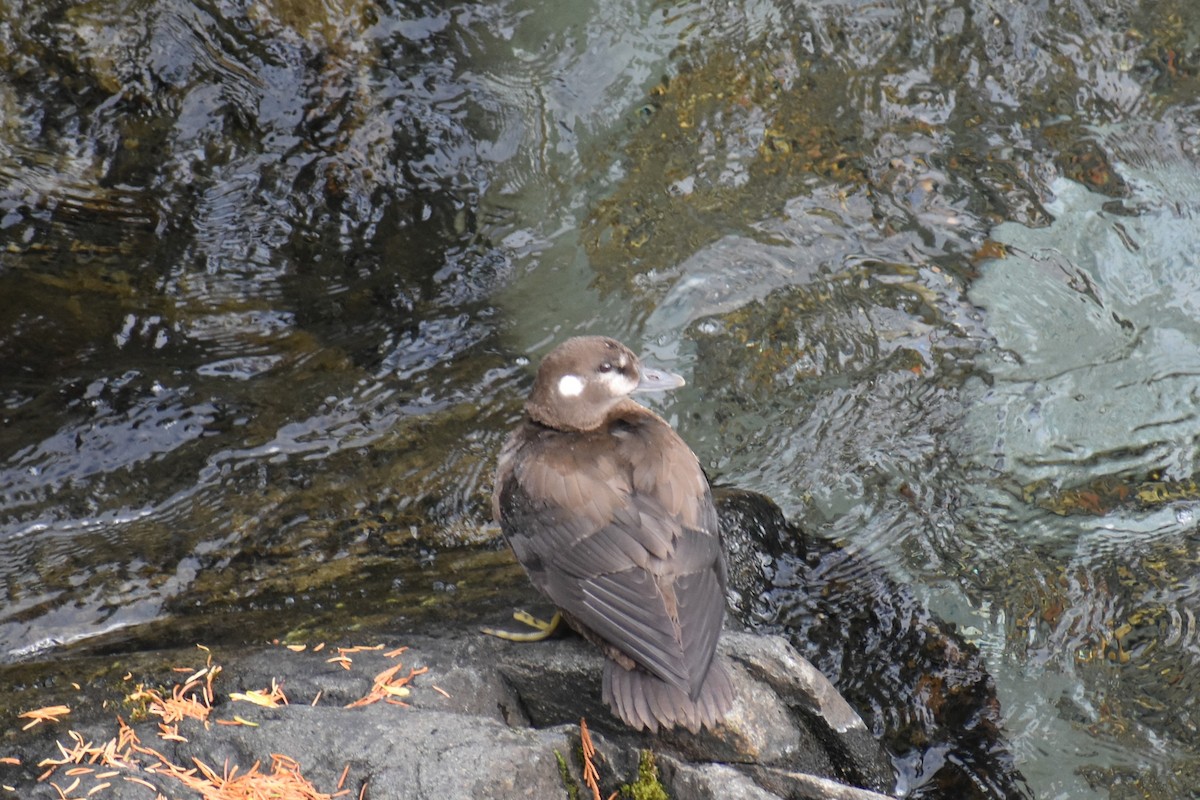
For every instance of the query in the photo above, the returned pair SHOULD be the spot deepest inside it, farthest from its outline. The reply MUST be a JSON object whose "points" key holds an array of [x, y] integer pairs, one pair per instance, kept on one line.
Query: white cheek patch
{"points": [[570, 386]]}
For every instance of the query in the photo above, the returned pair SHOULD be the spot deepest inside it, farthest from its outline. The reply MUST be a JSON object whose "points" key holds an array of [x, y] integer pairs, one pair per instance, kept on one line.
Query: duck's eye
{"points": [[604, 367]]}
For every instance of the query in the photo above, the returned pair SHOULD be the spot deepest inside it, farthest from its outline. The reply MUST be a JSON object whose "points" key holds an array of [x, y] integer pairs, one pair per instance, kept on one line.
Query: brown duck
{"points": [[611, 516]]}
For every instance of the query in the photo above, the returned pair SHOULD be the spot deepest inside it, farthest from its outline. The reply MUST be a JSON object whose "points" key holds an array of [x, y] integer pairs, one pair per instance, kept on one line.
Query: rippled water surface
{"points": [[274, 274]]}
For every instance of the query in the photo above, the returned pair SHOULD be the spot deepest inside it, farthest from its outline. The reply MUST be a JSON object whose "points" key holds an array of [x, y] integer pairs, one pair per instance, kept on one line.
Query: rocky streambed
{"points": [[446, 712]]}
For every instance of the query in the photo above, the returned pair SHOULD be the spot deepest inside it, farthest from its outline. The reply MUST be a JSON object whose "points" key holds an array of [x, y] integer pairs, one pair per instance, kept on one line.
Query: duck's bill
{"points": [[657, 380]]}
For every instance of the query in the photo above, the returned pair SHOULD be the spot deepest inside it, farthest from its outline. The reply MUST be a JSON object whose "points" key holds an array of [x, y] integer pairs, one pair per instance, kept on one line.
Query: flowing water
{"points": [[274, 274]]}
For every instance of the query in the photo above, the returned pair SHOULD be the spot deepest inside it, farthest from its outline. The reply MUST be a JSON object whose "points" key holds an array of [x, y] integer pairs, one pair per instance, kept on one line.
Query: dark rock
{"points": [[922, 689]]}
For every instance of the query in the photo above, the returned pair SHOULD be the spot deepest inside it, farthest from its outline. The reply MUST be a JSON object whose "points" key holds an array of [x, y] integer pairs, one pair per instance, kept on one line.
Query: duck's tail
{"points": [[643, 700]]}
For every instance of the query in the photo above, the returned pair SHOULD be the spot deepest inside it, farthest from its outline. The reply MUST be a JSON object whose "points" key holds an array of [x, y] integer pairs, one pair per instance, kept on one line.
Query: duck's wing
{"points": [[632, 556]]}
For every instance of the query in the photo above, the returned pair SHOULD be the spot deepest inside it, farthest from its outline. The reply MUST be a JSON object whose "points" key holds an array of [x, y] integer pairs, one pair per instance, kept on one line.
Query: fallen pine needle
{"points": [[237, 721], [388, 687], [16, 762], [140, 782], [169, 733], [360, 648], [396, 652], [268, 698], [179, 706], [591, 776], [63, 793], [318, 697], [47, 714], [125, 753], [440, 691]]}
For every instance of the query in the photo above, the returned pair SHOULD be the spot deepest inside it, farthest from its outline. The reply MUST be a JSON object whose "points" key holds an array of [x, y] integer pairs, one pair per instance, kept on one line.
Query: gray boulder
{"points": [[502, 722]]}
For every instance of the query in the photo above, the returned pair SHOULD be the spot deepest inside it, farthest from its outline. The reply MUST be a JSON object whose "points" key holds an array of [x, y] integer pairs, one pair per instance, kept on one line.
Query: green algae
{"points": [[564, 771], [647, 786]]}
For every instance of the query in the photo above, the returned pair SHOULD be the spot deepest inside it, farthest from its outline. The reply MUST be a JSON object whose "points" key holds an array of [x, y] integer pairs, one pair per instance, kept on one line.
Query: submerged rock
{"points": [[922, 688]]}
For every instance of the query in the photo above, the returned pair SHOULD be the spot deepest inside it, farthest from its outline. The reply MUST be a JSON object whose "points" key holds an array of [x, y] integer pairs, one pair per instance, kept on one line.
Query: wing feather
{"points": [[628, 610]]}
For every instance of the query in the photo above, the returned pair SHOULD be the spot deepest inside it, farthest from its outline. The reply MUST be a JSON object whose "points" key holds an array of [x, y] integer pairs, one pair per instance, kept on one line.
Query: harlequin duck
{"points": [[611, 516]]}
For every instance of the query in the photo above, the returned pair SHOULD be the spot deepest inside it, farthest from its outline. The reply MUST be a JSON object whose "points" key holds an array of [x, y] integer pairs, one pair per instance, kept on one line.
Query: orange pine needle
{"points": [[283, 779], [175, 708], [170, 733], [64, 793], [268, 698], [140, 782], [388, 687], [47, 714], [591, 776]]}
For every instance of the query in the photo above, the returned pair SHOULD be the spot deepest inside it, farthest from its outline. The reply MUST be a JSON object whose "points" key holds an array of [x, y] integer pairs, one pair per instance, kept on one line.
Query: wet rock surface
{"points": [[503, 721]]}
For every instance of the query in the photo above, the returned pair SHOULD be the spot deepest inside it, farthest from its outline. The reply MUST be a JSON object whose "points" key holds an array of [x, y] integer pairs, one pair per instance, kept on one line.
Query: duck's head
{"points": [[580, 382]]}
